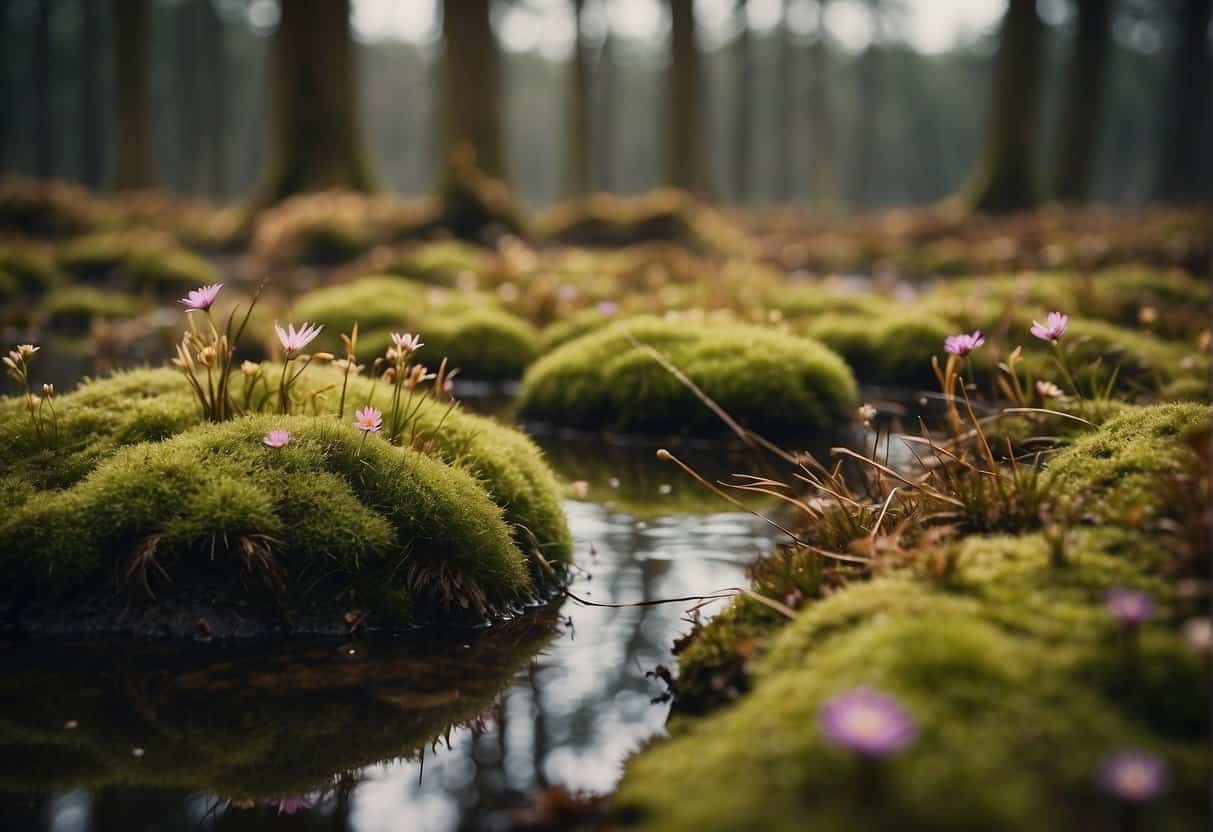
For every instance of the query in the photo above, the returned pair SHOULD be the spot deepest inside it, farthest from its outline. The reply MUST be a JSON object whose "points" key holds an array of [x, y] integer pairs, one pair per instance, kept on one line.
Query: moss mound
{"points": [[771, 383], [474, 335], [30, 267], [137, 261], [122, 417], [215, 504], [1117, 470], [46, 208], [74, 308], [1017, 677], [894, 349]]}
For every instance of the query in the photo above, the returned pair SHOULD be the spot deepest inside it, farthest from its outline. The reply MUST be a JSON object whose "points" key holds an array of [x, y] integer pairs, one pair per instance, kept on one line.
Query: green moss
{"points": [[485, 344], [137, 260], [441, 263], [417, 525], [892, 349], [1118, 471], [1016, 676], [580, 323], [769, 382], [73, 308], [30, 268]]}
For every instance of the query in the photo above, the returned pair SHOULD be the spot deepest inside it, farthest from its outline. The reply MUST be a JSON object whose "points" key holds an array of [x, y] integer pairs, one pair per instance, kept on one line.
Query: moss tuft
{"points": [[771, 383], [1117, 471], [213, 503]]}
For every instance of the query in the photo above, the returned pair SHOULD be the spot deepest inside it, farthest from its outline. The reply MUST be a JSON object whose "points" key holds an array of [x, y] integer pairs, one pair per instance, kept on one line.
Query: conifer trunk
{"points": [[135, 164], [471, 97], [1083, 113], [685, 165]]}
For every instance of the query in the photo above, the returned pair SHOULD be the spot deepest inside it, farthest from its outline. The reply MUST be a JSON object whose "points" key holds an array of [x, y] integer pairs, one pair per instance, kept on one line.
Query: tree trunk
{"points": [[578, 151], [471, 100], [786, 97], [1184, 100], [41, 91], [1004, 179], [91, 156], [315, 139], [135, 164], [743, 120], [190, 101], [869, 102], [685, 163], [215, 60], [821, 118], [603, 145], [1083, 112]]}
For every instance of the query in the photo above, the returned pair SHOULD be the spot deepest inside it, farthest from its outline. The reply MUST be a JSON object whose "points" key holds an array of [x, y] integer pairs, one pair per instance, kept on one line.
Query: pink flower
{"points": [[1133, 776], [963, 343], [1130, 607], [293, 340], [407, 343], [368, 420], [607, 308], [1053, 327], [276, 439], [199, 300], [867, 721]]}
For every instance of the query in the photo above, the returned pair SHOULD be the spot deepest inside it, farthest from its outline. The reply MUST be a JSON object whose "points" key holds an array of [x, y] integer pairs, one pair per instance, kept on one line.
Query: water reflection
{"points": [[223, 732]]}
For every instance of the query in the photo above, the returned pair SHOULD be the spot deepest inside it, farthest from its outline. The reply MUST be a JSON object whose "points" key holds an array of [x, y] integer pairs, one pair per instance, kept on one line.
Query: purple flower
{"points": [[1130, 607], [291, 805], [963, 343], [276, 439], [867, 721], [368, 420], [199, 300], [607, 308], [1133, 776], [1053, 327], [407, 343], [293, 340]]}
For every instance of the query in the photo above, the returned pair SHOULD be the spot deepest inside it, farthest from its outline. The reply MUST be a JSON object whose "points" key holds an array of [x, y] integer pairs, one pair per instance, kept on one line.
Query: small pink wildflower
{"points": [[1053, 327], [199, 300], [1133, 776], [368, 420], [293, 340], [406, 342], [1130, 607], [867, 721], [963, 343], [291, 805], [276, 439]]}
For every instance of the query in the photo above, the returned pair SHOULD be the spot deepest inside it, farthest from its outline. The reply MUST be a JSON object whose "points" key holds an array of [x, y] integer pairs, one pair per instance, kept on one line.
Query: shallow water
{"points": [[574, 699]]}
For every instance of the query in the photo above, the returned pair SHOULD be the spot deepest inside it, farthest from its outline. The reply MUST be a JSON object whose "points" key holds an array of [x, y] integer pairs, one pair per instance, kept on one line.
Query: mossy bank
{"points": [[136, 502]]}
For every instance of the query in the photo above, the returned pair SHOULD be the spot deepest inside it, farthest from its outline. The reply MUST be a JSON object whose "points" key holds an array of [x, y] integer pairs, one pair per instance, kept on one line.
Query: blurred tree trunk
{"points": [[745, 98], [315, 139], [1004, 179], [821, 118], [91, 157], [685, 165], [1083, 112], [190, 101], [471, 101], [578, 151], [6, 94], [135, 165], [1184, 100], [785, 161], [869, 101], [41, 92], [215, 60], [606, 108]]}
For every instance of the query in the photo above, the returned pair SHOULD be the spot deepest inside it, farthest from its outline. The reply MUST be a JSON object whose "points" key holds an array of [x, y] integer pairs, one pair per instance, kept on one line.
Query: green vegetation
{"points": [[468, 330], [136, 260], [73, 308], [469, 519], [978, 637], [769, 382]]}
